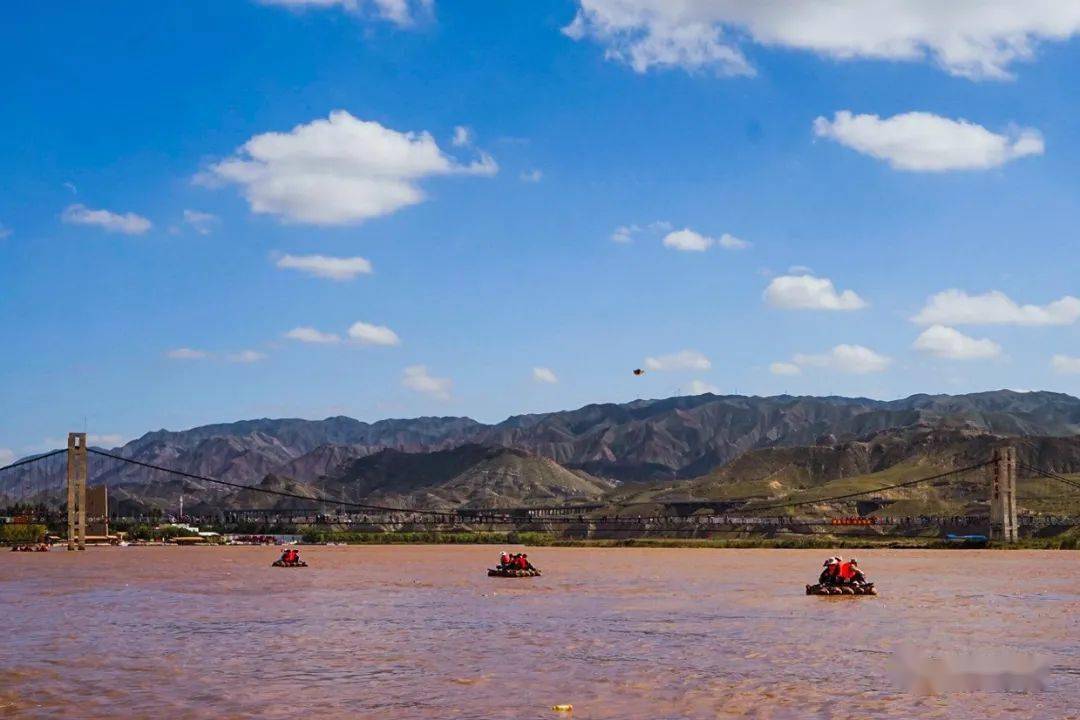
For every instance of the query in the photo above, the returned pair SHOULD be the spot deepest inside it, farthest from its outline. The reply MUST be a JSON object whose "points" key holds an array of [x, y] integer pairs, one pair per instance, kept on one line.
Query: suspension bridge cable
{"points": [[280, 493], [1051, 476], [27, 461], [869, 492]]}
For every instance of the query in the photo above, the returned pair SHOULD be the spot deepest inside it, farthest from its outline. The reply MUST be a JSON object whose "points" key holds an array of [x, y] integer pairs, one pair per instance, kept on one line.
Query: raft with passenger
{"points": [[513, 572], [282, 563]]}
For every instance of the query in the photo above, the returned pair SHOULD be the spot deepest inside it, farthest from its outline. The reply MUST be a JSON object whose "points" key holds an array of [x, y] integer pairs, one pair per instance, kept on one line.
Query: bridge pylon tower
{"points": [[1003, 523], [76, 491]]}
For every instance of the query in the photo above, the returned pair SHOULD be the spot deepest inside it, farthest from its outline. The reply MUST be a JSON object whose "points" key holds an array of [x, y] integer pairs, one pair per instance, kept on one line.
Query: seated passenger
{"points": [[857, 577], [504, 559], [825, 578]]}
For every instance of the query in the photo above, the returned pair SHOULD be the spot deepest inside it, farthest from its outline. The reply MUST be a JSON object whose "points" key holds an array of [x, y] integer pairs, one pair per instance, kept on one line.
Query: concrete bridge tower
{"points": [[1003, 525], [76, 491]]}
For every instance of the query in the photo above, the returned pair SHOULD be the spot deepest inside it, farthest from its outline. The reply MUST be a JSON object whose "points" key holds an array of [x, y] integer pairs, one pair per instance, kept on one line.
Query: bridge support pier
{"points": [[1003, 524], [76, 491]]}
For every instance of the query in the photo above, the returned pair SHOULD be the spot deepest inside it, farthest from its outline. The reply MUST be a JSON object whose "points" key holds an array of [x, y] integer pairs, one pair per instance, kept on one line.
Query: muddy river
{"points": [[422, 632]]}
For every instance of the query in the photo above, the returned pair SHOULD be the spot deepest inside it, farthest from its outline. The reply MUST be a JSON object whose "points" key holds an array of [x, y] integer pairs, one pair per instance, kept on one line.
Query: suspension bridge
{"points": [[87, 488]]}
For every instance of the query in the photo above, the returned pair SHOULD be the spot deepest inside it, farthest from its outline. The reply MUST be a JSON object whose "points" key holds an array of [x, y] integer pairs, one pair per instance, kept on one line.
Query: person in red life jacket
{"points": [[857, 577], [846, 574], [504, 559]]}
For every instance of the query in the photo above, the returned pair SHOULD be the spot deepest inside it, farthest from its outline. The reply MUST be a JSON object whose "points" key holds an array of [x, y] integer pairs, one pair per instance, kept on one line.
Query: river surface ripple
{"points": [[422, 632]]}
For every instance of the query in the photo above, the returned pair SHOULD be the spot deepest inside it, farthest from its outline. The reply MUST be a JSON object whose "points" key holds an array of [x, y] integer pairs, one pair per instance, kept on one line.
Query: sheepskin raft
{"points": [[867, 589], [512, 572]]}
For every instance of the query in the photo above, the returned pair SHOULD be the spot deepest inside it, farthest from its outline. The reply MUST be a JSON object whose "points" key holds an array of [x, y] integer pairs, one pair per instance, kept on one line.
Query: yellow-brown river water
{"points": [[422, 632]]}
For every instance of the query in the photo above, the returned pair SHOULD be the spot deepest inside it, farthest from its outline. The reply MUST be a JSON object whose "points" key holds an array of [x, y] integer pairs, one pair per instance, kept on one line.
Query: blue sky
{"points": [[827, 201]]}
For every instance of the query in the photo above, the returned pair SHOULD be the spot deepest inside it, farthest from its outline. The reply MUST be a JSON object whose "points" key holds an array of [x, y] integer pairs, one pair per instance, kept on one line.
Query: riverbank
{"points": [[1068, 540]]}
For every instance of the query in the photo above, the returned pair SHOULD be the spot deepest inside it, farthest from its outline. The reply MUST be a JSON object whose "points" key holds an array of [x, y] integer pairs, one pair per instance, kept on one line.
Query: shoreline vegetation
{"points": [[1069, 540]]}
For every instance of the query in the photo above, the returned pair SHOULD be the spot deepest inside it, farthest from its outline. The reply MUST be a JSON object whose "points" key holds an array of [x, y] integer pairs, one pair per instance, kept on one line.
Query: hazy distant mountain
{"points": [[642, 440]]}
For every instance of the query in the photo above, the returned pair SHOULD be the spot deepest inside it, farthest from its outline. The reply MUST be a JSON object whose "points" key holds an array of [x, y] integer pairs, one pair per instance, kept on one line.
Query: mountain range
{"points": [[684, 443]]}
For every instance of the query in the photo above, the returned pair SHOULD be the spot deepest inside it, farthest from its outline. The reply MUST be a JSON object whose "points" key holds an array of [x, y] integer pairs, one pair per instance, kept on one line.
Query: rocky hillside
{"points": [[644, 440]]}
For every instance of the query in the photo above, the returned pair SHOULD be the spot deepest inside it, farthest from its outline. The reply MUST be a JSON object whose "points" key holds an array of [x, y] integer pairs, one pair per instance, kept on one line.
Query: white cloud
{"points": [[126, 223], [399, 12], [922, 141], [416, 377], [785, 368], [311, 335], [246, 356], [700, 387], [968, 38], [800, 270], [683, 360], [946, 342], [201, 222], [545, 375], [6, 457], [532, 176], [730, 242], [366, 334], [1065, 365], [853, 359], [956, 307], [186, 353], [462, 136], [333, 268], [688, 240], [806, 292], [337, 171], [624, 233]]}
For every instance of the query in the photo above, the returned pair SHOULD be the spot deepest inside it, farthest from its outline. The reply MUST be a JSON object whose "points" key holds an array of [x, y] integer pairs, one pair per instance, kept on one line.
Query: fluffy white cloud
{"points": [[337, 171], [532, 176], [126, 223], [688, 240], [700, 387], [785, 368], [6, 457], [416, 377], [333, 268], [922, 141], [306, 334], [399, 12], [545, 375], [246, 356], [947, 342], [853, 359], [956, 307], [1065, 364], [186, 353], [806, 292], [683, 360], [969, 38], [367, 334], [201, 222], [462, 136]]}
